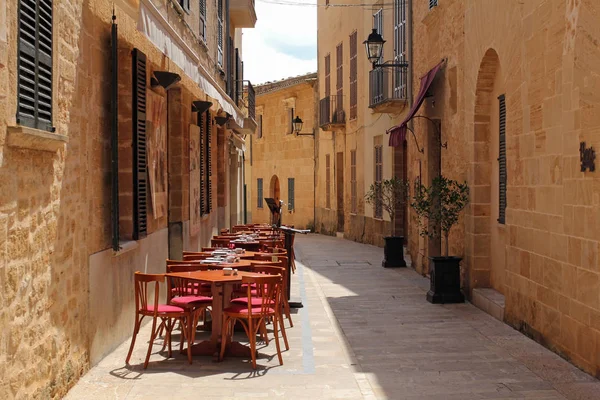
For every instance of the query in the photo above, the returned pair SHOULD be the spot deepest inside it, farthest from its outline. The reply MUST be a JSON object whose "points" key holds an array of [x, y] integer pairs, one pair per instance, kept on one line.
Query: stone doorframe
{"points": [[478, 227]]}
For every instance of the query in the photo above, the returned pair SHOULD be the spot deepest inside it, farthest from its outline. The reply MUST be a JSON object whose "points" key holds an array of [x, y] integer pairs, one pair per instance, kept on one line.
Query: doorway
{"points": [[340, 191]]}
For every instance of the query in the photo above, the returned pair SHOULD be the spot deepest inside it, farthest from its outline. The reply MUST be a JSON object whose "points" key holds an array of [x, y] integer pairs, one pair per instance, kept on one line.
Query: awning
{"points": [[157, 29], [398, 132]]}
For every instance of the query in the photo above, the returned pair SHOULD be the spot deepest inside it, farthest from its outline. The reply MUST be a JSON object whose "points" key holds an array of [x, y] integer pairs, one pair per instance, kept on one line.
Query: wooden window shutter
{"points": [[353, 187], [378, 179], [34, 65], [140, 166], [291, 201], [208, 162], [327, 75], [353, 75], [202, 125], [502, 160], [259, 193], [327, 181], [260, 126], [185, 4], [203, 19]]}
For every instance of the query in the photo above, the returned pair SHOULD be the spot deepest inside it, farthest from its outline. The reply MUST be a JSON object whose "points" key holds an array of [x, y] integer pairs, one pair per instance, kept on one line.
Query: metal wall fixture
{"points": [[374, 47], [223, 120], [200, 106], [165, 79]]}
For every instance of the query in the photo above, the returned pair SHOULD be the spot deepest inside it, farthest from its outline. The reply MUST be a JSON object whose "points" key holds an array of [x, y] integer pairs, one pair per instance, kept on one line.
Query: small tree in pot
{"points": [[438, 207], [389, 195]]}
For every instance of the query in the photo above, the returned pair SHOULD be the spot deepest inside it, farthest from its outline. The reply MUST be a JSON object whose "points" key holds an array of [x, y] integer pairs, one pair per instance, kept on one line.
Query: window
{"points": [[259, 193], [34, 94], [291, 198], [353, 188], [399, 47], [185, 4], [339, 60], [203, 20], [433, 3], [502, 160], [208, 158], [378, 24], [220, 33], [260, 126], [327, 75], [353, 75], [327, 181], [378, 179]]}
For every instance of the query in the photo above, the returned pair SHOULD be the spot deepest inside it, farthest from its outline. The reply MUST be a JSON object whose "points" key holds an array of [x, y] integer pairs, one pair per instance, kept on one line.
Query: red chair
{"points": [[253, 314], [168, 314]]}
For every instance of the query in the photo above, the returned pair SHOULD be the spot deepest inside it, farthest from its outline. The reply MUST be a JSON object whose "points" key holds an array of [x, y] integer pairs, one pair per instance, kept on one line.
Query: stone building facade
{"points": [[281, 163], [531, 70], [67, 295], [356, 107]]}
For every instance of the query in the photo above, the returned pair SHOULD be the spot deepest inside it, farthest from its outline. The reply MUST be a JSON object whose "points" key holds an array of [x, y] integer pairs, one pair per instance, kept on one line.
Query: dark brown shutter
{"points": [[353, 75], [327, 75], [502, 160], [34, 92], [327, 181], [203, 19], [114, 134], [202, 125], [140, 166], [209, 162]]}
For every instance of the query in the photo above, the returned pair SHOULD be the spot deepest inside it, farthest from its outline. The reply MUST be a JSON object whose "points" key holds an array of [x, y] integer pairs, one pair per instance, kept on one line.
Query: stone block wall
{"points": [[544, 259]]}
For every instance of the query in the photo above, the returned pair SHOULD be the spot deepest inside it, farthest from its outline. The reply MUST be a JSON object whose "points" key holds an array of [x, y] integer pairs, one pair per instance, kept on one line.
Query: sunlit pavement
{"points": [[364, 332]]}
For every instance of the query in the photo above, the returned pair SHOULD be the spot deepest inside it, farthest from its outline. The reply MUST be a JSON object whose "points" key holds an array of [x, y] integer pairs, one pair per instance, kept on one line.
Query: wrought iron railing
{"points": [[389, 83], [331, 110]]}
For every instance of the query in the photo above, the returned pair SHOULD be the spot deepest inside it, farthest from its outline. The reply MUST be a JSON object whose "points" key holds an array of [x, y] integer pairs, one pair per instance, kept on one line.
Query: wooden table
{"points": [[246, 254], [221, 288]]}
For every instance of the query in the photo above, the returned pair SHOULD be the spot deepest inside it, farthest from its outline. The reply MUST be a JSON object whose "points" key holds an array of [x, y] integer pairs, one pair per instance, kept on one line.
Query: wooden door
{"points": [[340, 191]]}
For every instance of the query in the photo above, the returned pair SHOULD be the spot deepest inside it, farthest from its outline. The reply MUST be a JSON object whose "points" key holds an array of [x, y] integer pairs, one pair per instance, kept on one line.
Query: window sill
{"points": [[203, 44], [126, 247], [179, 8], [35, 139]]}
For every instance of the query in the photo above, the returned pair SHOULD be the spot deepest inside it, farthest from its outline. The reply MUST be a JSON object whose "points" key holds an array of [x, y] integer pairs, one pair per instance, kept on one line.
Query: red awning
{"points": [[398, 132]]}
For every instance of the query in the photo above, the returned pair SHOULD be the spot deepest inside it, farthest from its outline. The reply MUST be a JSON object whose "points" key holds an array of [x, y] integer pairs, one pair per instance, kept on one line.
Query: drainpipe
{"points": [[409, 17]]}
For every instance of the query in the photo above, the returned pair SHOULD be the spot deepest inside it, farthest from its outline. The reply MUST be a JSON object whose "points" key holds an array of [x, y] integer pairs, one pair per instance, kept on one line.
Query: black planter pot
{"points": [[445, 281], [393, 252]]}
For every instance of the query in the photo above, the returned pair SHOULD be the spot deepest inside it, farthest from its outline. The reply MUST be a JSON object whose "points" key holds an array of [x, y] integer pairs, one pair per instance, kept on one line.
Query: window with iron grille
{"points": [[203, 20], [327, 181], [185, 4], [502, 160], [220, 32], [353, 188], [378, 180], [259, 193], [433, 3], [339, 60], [140, 164], [353, 75], [291, 197], [34, 64], [399, 47], [327, 75]]}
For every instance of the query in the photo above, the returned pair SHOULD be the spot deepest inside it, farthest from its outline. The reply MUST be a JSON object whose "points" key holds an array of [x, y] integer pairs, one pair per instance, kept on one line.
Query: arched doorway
{"points": [[274, 190], [488, 251]]}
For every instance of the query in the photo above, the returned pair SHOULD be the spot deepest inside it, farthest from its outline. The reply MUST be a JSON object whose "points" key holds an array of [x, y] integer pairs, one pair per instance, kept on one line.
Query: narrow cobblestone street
{"points": [[364, 333]]}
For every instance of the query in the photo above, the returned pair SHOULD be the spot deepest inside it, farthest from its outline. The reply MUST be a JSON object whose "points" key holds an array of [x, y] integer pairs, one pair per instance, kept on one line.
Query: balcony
{"points": [[387, 89], [331, 113], [242, 13], [250, 100], [246, 101]]}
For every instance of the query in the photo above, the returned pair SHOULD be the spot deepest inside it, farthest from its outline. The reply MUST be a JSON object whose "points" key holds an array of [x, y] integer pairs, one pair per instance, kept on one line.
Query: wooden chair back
{"points": [[269, 291], [143, 284]]}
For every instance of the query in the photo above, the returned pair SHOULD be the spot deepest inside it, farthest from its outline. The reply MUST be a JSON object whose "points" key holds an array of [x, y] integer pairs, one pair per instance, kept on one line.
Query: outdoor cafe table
{"points": [[222, 288], [246, 254]]}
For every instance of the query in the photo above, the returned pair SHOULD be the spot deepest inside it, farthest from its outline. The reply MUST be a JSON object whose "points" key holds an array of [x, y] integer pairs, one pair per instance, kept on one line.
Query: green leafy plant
{"points": [[439, 205], [389, 194]]}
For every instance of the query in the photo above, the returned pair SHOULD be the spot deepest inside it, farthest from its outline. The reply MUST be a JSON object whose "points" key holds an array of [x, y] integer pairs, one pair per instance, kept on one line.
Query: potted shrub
{"points": [[438, 208], [389, 195]]}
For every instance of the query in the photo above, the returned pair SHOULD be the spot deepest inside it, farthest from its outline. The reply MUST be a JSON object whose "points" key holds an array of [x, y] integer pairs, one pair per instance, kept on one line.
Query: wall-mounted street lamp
{"points": [[297, 123], [374, 46], [165, 79]]}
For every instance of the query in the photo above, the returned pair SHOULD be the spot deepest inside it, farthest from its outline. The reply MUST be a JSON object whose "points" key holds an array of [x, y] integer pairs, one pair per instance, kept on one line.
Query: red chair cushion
{"points": [[165, 308], [189, 301], [256, 301], [238, 308]]}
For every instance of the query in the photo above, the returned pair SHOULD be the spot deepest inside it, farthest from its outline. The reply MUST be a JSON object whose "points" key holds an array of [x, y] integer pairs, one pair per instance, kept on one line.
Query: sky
{"points": [[283, 42]]}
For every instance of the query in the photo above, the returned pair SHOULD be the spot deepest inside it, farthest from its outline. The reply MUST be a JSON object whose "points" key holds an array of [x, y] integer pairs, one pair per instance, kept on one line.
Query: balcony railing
{"points": [[387, 87], [331, 112], [250, 100]]}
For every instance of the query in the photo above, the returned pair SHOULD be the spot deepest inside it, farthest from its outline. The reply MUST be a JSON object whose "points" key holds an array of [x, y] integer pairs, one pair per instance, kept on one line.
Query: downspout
{"points": [[409, 39]]}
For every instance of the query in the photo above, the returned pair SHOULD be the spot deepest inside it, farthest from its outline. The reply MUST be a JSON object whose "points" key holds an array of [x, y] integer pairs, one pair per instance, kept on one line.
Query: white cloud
{"points": [[283, 43]]}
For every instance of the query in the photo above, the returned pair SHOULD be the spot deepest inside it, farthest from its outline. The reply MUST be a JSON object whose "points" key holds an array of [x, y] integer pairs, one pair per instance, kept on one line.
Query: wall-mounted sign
{"points": [[587, 157]]}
